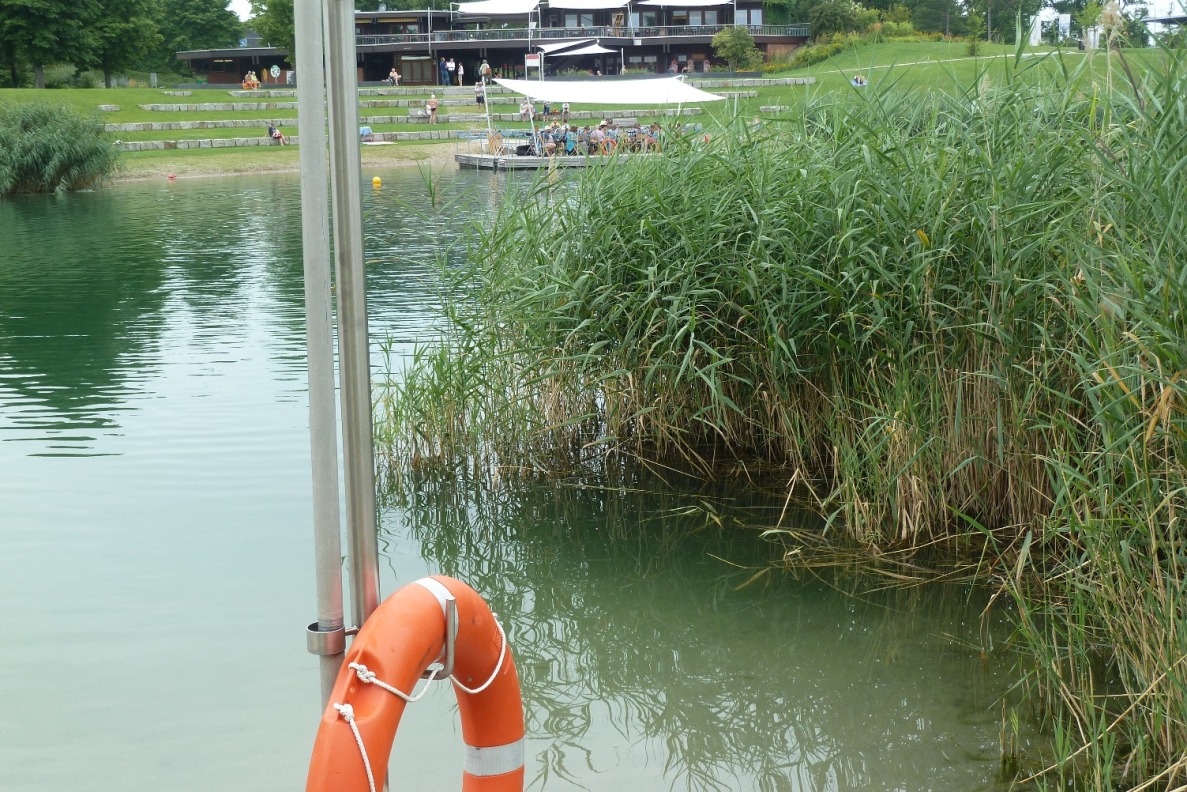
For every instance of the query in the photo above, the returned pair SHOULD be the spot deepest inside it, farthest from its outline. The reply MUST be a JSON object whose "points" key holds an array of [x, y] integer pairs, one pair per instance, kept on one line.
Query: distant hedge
{"points": [[45, 148]]}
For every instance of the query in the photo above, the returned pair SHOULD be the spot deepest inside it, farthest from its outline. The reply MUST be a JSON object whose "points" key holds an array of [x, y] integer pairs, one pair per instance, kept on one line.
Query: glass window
{"points": [[751, 16]]}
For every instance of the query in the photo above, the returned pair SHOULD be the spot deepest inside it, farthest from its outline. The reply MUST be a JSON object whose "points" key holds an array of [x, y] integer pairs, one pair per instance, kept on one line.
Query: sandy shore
{"points": [[244, 161]]}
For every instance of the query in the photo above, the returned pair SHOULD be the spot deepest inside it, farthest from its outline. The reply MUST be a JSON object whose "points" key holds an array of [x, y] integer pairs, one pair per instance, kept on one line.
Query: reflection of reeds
{"points": [[624, 618], [958, 321]]}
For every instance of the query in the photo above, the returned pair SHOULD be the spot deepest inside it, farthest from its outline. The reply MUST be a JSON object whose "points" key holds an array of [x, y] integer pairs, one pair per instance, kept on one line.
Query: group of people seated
{"points": [[250, 81], [605, 138]]}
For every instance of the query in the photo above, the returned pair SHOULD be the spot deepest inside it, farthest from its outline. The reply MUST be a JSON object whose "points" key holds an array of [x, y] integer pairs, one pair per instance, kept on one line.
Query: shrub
{"points": [[44, 148], [816, 53]]}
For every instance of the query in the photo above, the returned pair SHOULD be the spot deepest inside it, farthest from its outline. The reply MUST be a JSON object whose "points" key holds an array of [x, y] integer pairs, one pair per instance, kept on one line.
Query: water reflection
{"points": [[644, 657], [100, 292], [80, 299]]}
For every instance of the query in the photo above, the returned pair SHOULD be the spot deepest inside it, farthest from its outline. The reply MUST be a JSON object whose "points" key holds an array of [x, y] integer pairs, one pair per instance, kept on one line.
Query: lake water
{"points": [[156, 562]]}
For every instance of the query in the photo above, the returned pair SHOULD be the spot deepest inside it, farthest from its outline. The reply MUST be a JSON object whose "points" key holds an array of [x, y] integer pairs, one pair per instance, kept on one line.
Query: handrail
{"points": [[600, 32]]}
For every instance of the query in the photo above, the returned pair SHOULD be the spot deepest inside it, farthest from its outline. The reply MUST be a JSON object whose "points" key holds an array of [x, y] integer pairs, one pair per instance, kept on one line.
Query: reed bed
{"points": [[954, 322], [51, 149]]}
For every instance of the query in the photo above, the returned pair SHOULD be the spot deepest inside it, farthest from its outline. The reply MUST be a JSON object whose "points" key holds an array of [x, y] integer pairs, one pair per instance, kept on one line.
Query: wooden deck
{"points": [[516, 162]]}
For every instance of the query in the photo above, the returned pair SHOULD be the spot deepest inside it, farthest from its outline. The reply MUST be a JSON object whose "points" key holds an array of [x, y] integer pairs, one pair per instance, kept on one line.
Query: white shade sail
{"points": [[589, 49], [498, 7], [557, 46], [585, 5], [612, 90], [683, 3]]}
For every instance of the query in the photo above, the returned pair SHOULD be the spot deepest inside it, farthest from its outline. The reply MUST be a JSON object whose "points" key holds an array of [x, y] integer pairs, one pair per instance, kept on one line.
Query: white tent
{"points": [[683, 3], [611, 90], [498, 7], [588, 49], [586, 5], [557, 46]]}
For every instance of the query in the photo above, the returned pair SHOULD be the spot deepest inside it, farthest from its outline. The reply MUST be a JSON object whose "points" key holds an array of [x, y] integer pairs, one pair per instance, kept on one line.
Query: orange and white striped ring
{"points": [[400, 640]]}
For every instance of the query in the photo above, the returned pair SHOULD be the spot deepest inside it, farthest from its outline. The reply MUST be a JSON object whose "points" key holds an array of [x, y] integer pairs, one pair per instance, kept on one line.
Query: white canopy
{"points": [[586, 5], [498, 7], [560, 45], [589, 49], [683, 3], [611, 90]]}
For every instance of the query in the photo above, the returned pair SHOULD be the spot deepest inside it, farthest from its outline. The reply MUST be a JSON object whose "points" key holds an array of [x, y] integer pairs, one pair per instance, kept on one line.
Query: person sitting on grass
{"points": [[274, 134]]}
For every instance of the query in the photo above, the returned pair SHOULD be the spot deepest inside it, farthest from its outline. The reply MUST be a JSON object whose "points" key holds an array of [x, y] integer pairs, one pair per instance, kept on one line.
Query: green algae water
{"points": [[156, 560]]}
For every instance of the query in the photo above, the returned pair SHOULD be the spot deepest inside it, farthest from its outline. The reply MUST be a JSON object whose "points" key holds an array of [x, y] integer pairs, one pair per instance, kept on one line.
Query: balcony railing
{"points": [[604, 32]]}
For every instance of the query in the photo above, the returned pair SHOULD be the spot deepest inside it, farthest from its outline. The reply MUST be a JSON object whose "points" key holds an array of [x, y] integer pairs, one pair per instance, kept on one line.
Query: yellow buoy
{"points": [[376, 182]]}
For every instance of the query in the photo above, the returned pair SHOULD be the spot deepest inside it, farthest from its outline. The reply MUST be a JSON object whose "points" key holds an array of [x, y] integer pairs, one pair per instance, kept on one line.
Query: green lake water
{"points": [[156, 562]]}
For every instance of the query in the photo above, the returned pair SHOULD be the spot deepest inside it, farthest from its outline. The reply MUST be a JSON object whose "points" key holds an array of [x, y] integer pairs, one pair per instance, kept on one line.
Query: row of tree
{"points": [[111, 36], [991, 19]]}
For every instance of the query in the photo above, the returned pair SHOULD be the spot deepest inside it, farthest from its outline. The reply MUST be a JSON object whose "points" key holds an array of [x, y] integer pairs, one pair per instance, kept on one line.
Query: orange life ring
{"points": [[399, 641]]}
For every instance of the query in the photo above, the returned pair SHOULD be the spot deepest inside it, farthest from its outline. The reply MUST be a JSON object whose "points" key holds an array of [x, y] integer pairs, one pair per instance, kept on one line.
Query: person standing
{"points": [[479, 93], [442, 73], [432, 108], [461, 73], [484, 71], [450, 70]]}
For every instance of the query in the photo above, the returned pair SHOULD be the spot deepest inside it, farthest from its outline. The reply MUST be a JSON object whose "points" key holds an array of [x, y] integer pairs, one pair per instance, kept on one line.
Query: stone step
{"points": [[208, 143], [416, 116]]}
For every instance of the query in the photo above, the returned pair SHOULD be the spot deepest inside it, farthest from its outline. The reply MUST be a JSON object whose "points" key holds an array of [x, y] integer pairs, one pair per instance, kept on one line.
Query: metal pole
{"points": [[490, 132], [353, 348], [326, 638]]}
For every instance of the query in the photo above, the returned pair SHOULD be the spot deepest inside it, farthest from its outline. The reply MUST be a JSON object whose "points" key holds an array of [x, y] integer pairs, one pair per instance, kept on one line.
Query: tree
{"points": [[938, 16], [1087, 17], [975, 27], [123, 34], [735, 46], [787, 12], [42, 32], [832, 16], [1134, 32], [274, 21], [197, 24]]}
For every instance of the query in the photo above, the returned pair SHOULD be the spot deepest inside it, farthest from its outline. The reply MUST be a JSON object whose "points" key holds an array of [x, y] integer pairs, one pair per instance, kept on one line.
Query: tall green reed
{"points": [[955, 322], [51, 149]]}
